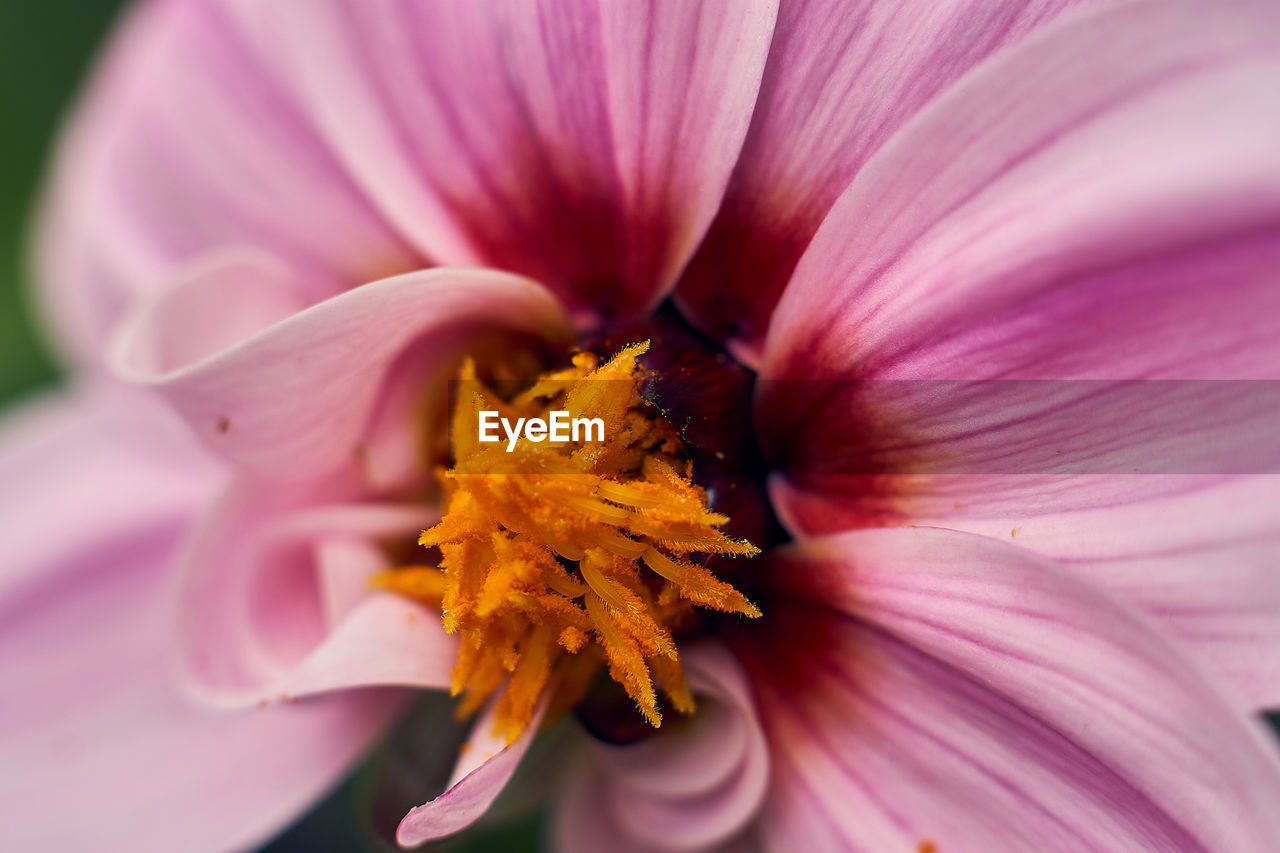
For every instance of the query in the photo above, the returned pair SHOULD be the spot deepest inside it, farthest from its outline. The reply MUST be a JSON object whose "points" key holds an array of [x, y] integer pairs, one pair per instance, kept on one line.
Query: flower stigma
{"points": [[559, 559]]}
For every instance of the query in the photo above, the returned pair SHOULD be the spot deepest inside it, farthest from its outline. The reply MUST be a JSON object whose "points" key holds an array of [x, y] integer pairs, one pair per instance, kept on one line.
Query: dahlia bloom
{"points": [[277, 231]]}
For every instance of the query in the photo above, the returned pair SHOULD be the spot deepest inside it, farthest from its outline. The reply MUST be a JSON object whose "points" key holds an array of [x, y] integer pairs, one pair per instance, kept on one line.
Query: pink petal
{"points": [[277, 602], [345, 565], [1062, 213], [1194, 550], [384, 640], [102, 751], [692, 787], [926, 685], [1202, 563], [215, 302], [294, 399], [582, 821], [485, 766], [99, 748], [841, 79], [586, 145], [582, 824], [941, 451], [190, 139], [82, 469]]}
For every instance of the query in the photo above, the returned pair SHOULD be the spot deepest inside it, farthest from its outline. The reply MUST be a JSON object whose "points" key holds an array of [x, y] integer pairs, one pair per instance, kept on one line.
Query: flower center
{"points": [[560, 558]]}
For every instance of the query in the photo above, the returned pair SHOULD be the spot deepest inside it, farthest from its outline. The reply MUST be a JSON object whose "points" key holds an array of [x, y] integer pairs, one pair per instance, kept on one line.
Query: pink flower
{"points": [[275, 228]]}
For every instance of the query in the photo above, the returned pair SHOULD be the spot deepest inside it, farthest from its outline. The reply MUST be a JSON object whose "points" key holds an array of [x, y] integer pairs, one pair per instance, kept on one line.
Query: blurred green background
{"points": [[45, 48]]}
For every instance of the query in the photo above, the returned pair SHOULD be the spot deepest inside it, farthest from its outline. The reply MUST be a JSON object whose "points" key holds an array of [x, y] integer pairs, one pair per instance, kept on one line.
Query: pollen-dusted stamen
{"points": [[558, 558]]}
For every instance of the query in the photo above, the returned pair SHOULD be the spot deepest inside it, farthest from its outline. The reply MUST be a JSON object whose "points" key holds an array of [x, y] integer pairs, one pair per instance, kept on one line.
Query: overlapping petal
{"points": [[841, 79], [583, 144], [355, 146], [1063, 214], [696, 787], [100, 747], [1054, 190], [294, 399], [484, 768], [190, 140], [278, 602], [1201, 562], [921, 685], [1123, 223]]}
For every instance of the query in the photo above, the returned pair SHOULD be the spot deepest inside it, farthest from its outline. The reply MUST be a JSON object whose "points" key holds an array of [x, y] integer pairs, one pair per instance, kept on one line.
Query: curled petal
{"points": [[485, 767], [693, 788], [190, 140], [101, 749], [277, 600], [294, 399]]}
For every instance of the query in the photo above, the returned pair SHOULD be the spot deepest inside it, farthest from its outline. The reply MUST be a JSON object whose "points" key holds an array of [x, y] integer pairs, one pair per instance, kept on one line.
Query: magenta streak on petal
{"points": [[1125, 231], [1144, 152], [1027, 734], [1200, 562], [841, 79], [586, 145]]}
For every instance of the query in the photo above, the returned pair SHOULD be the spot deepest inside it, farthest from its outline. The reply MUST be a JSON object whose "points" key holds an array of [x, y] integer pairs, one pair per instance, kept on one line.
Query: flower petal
{"points": [[92, 708], [692, 788], [931, 686], [583, 825], [215, 302], [97, 492], [1073, 214], [924, 450], [294, 399], [486, 765], [1196, 553], [1059, 213], [841, 79], [189, 140], [273, 610], [1202, 563], [83, 468], [583, 144]]}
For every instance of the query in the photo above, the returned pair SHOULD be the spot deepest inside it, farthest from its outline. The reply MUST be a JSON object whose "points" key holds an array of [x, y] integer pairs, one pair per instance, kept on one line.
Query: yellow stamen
{"points": [[518, 520]]}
